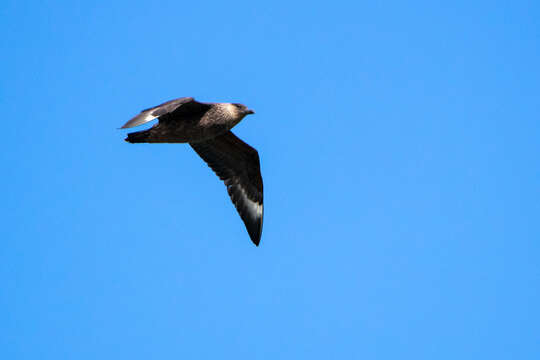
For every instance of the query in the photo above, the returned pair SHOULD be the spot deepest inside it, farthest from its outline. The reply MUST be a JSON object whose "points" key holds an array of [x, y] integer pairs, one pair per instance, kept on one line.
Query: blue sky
{"points": [[399, 146]]}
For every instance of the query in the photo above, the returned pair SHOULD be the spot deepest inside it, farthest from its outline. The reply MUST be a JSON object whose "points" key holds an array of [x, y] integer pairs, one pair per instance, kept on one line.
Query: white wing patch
{"points": [[140, 119], [255, 209]]}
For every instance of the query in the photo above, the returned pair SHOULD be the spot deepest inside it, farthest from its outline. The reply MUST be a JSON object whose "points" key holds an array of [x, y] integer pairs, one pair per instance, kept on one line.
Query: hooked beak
{"points": [[249, 111]]}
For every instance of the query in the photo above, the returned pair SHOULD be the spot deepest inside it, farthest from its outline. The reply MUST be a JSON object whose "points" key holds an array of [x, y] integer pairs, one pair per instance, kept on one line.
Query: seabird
{"points": [[206, 127]]}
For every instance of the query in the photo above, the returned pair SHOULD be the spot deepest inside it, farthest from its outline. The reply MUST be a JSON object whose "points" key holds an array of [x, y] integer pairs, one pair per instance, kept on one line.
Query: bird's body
{"points": [[206, 126], [201, 122]]}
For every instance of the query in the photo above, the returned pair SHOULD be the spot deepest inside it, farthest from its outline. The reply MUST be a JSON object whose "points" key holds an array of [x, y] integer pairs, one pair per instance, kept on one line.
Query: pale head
{"points": [[243, 109]]}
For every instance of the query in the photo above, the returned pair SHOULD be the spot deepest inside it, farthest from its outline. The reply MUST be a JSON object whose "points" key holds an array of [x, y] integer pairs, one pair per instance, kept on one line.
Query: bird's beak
{"points": [[249, 111]]}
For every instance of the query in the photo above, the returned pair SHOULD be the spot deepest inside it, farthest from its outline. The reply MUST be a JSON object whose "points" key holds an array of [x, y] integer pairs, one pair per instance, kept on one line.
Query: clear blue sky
{"points": [[399, 146]]}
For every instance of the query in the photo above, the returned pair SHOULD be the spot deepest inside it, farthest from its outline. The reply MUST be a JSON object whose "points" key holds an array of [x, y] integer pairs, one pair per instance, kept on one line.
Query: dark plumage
{"points": [[206, 127]]}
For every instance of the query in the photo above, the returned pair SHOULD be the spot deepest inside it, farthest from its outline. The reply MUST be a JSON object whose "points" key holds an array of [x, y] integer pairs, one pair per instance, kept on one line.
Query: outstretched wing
{"points": [[181, 106], [237, 164]]}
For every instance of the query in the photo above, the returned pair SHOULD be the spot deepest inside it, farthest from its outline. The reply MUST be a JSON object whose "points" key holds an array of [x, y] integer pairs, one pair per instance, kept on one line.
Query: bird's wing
{"points": [[181, 106], [237, 164]]}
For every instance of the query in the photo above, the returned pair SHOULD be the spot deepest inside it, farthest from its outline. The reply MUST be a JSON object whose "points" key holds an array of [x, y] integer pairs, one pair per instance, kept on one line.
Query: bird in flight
{"points": [[206, 127]]}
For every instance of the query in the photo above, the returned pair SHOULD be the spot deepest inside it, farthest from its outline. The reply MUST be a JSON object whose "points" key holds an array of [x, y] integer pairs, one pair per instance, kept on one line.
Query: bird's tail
{"points": [[137, 137]]}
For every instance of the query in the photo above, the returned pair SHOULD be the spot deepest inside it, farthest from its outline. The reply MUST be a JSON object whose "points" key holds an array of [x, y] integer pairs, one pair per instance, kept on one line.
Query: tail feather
{"points": [[137, 137]]}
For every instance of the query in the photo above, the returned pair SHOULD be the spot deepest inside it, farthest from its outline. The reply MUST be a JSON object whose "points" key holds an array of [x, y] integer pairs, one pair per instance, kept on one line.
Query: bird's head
{"points": [[243, 109]]}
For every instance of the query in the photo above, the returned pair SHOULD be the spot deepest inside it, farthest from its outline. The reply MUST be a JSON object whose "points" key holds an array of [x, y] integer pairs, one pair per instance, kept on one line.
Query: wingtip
{"points": [[256, 240]]}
